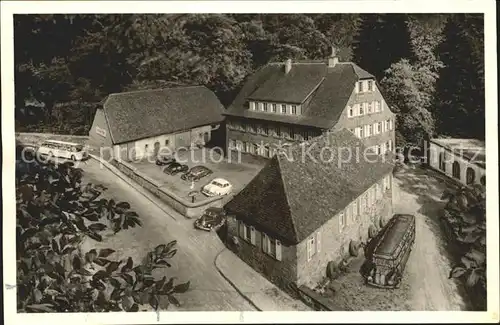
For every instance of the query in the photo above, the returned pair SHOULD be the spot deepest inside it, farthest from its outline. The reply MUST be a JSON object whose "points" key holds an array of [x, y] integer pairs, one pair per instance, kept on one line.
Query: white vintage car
{"points": [[217, 186]]}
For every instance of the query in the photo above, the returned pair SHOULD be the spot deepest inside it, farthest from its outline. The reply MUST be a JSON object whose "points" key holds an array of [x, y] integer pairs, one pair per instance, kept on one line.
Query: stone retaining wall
{"points": [[179, 204]]}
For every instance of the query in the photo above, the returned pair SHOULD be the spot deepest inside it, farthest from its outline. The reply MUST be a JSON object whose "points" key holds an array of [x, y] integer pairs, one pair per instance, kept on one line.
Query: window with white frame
{"points": [[357, 132], [283, 109], [361, 109], [266, 107], [350, 111], [382, 104], [379, 150], [273, 108], [248, 146], [360, 86], [265, 129], [261, 106], [377, 106], [232, 144], [386, 122], [389, 146], [342, 220], [379, 127], [271, 246], [239, 145], [370, 85], [313, 245], [370, 107], [370, 130], [390, 124], [355, 211], [246, 232], [361, 132], [278, 131], [252, 106], [294, 109]]}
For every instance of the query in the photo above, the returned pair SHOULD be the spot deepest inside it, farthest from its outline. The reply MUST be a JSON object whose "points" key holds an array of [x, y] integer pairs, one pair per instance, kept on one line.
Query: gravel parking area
{"points": [[239, 174]]}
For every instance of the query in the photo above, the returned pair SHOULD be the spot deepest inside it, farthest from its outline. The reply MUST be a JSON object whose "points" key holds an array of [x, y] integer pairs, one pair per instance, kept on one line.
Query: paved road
{"points": [[419, 193], [197, 250]]}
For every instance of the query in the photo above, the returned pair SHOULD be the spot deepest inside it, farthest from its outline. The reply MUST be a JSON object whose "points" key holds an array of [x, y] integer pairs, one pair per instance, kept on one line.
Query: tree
{"points": [[465, 216], [55, 213], [383, 39], [460, 97], [408, 91]]}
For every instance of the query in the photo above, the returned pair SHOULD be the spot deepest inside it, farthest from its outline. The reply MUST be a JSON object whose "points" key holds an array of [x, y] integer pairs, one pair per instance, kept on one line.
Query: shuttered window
{"points": [[278, 250], [265, 243]]}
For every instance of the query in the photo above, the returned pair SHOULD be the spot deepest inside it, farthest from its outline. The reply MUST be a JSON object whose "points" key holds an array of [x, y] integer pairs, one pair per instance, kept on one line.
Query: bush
{"points": [[354, 246], [55, 212], [331, 269]]}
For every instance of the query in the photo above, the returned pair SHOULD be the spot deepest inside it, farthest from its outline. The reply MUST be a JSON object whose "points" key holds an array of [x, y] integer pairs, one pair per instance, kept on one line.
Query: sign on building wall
{"points": [[100, 131]]}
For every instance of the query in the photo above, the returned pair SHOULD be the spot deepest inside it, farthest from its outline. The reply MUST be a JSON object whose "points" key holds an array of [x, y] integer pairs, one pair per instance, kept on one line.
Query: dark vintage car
{"points": [[387, 253], [174, 168], [212, 219], [196, 173], [163, 160]]}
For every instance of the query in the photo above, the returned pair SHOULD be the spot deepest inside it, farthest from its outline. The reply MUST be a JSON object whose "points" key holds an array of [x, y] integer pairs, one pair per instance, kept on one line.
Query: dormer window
{"points": [[283, 109], [360, 86], [252, 106], [294, 109], [273, 108], [265, 107], [370, 85]]}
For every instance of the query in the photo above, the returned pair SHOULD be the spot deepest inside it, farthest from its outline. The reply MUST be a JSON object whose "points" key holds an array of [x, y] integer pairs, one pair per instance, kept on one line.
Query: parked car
{"points": [[218, 186], [212, 219], [196, 173], [163, 160], [388, 252], [174, 168]]}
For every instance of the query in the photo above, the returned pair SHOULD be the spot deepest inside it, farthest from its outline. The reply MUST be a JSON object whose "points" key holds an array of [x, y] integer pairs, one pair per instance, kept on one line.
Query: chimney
{"points": [[333, 59], [288, 65]]}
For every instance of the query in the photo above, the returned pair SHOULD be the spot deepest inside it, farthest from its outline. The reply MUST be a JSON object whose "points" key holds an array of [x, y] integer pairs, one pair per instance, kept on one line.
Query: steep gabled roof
{"points": [[297, 192], [323, 91], [142, 114], [292, 87]]}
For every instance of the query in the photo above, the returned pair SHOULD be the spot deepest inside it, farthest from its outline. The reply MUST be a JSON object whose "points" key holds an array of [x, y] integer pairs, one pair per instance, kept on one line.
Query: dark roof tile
{"points": [[146, 113], [297, 192], [330, 89]]}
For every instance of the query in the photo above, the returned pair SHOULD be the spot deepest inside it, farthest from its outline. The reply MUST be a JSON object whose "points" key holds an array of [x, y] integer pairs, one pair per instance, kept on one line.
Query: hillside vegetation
{"points": [[431, 67]]}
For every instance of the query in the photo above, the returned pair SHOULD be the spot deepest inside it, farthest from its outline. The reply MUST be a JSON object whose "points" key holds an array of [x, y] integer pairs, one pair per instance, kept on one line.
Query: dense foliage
{"points": [[464, 219], [431, 67], [56, 214]]}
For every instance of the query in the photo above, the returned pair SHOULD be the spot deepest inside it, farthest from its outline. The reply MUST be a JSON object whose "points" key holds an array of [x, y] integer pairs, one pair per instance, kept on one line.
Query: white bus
{"points": [[68, 150]]}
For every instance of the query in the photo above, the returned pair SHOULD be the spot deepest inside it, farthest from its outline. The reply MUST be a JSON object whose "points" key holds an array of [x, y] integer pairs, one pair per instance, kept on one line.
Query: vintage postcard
{"points": [[249, 161]]}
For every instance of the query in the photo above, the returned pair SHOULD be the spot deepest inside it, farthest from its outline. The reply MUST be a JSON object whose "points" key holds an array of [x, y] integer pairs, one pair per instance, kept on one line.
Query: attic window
{"points": [[294, 109], [273, 108], [283, 109], [360, 87], [370, 85], [252, 106]]}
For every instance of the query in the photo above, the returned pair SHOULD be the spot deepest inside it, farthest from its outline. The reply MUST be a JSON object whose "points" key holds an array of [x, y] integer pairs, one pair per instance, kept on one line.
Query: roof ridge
{"points": [[156, 89], [295, 232]]}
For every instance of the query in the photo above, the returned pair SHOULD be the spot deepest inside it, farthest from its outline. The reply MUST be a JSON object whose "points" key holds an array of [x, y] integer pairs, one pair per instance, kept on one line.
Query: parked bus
{"points": [[387, 253], [68, 150]]}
